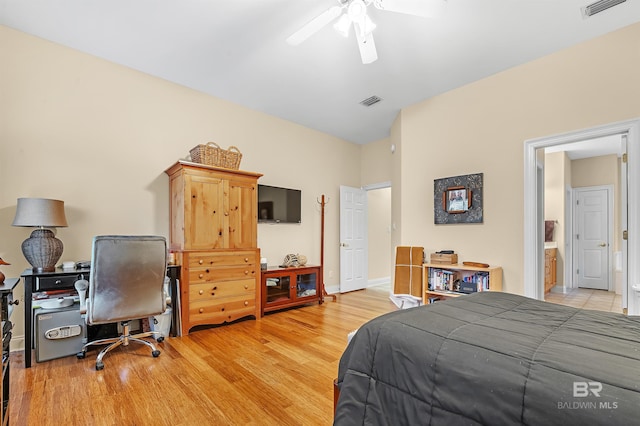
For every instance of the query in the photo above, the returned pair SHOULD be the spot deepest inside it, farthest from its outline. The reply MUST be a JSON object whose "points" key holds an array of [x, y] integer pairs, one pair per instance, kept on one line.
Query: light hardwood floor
{"points": [[278, 370]]}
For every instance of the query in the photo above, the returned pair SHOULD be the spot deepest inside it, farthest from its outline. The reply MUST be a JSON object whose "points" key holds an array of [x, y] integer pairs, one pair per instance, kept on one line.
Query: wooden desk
{"points": [[62, 279]]}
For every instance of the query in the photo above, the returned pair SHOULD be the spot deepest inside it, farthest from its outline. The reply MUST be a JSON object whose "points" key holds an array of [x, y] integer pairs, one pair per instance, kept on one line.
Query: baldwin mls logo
{"points": [[584, 390]]}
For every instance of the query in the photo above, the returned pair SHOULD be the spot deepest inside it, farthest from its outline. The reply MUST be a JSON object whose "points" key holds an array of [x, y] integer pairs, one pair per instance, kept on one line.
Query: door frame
{"points": [[568, 238], [533, 238], [610, 221]]}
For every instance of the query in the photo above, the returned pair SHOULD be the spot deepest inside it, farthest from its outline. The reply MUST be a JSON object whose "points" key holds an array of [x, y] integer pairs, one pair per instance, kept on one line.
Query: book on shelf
{"points": [[480, 279], [442, 279]]}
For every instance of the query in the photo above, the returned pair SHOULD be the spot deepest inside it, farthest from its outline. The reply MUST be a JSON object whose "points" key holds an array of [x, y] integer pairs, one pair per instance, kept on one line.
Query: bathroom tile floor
{"points": [[586, 298]]}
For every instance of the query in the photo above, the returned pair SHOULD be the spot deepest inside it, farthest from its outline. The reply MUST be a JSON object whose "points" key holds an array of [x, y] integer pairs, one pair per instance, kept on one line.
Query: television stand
{"points": [[288, 287]]}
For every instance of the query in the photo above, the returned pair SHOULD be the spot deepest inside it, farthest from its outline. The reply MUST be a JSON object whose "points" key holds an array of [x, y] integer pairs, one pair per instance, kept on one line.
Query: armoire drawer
{"points": [[222, 258], [229, 309], [219, 290], [221, 273]]}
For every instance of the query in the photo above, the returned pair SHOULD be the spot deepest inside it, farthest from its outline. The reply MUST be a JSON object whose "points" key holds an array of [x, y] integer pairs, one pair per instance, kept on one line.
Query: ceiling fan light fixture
{"points": [[367, 47], [367, 25], [343, 25], [356, 10]]}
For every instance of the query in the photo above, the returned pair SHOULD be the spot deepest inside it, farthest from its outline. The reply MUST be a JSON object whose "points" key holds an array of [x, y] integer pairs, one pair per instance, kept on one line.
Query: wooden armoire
{"points": [[213, 234]]}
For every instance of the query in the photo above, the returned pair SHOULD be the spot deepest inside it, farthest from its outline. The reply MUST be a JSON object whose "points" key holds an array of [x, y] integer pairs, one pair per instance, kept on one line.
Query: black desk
{"points": [[63, 279]]}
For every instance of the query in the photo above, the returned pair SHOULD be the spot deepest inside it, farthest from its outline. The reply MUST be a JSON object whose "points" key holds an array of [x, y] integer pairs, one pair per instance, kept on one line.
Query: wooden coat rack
{"points": [[323, 202]]}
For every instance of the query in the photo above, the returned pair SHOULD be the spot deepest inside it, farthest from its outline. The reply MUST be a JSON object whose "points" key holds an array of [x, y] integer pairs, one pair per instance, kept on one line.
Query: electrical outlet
{"points": [[330, 274]]}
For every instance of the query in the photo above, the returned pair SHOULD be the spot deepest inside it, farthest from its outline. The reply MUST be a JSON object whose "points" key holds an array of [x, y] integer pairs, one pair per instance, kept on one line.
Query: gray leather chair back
{"points": [[127, 278]]}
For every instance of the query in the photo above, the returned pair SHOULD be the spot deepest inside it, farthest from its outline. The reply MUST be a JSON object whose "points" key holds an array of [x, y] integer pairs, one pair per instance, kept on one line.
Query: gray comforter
{"points": [[492, 359]]}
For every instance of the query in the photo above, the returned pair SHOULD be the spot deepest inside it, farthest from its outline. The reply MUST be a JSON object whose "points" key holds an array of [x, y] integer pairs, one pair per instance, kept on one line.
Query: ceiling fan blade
{"points": [[367, 47], [423, 8], [315, 25]]}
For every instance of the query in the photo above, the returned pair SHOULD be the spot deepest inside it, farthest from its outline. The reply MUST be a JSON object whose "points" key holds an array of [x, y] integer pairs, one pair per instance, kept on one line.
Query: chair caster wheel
{"points": [[99, 366], [160, 339], [155, 353], [81, 355]]}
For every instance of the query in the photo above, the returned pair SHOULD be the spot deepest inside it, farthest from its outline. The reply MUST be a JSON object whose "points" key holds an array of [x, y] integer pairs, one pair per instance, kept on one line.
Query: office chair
{"points": [[126, 283]]}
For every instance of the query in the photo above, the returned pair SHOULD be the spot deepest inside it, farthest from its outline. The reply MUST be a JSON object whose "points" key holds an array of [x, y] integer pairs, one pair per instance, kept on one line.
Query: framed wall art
{"points": [[458, 199]]}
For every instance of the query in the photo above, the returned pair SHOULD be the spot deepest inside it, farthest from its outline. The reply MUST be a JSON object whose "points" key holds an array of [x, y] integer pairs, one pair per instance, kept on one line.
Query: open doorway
{"points": [[627, 134], [582, 205], [379, 230]]}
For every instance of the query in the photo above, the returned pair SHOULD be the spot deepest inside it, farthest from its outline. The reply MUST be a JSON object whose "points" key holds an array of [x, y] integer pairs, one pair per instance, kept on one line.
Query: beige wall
{"points": [[481, 128], [595, 171], [99, 136], [375, 162]]}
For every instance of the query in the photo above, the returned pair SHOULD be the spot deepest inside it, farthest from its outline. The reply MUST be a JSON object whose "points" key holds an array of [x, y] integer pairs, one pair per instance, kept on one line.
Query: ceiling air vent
{"points": [[599, 6], [371, 100]]}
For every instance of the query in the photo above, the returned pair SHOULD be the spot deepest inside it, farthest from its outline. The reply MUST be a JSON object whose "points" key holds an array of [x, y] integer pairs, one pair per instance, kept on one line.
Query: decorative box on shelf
{"points": [[444, 258]]}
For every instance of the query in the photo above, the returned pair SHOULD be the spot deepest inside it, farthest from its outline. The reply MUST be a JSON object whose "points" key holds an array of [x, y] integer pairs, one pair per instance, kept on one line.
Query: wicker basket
{"points": [[212, 155], [208, 154], [232, 158]]}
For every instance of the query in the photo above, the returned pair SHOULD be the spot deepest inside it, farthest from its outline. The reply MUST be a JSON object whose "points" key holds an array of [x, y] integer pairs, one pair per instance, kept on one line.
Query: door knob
{"points": [[344, 245], [602, 244]]}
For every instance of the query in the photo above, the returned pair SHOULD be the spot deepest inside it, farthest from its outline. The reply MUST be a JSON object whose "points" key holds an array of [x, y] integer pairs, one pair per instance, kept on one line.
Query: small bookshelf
{"points": [[443, 281]]}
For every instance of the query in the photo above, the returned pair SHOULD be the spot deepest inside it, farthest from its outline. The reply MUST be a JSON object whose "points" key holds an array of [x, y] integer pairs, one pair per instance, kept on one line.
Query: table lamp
{"points": [[42, 249]]}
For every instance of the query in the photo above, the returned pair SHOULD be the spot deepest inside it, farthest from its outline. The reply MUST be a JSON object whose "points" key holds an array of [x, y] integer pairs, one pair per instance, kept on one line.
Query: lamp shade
{"points": [[42, 249], [40, 212]]}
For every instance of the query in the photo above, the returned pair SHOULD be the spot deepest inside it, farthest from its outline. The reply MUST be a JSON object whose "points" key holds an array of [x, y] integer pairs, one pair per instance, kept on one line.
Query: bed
{"points": [[492, 358]]}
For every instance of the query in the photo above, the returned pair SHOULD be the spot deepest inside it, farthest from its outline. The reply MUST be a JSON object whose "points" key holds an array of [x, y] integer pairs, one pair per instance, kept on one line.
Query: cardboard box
{"points": [[444, 259], [408, 271]]}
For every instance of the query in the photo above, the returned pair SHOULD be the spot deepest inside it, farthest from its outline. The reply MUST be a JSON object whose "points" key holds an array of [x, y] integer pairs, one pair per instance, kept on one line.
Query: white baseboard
{"points": [[334, 289], [379, 281], [370, 283], [559, 289], [17, 343]]}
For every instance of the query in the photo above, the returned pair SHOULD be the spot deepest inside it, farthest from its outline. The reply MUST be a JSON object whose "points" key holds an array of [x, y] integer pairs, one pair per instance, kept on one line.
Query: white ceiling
{"points": [[236, 49]]}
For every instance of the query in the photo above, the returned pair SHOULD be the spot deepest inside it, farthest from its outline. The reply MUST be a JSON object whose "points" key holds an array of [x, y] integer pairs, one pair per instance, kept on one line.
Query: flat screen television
{"points": [[279, 205]]}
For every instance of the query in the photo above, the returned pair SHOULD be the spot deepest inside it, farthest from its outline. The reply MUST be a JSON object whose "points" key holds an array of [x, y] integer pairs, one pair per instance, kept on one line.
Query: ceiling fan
{"points": [[353, 13]]}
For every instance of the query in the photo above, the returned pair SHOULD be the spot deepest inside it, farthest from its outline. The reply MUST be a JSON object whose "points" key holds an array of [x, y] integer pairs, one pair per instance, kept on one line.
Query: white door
{"points": [[353, 239], [592, 237]]}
